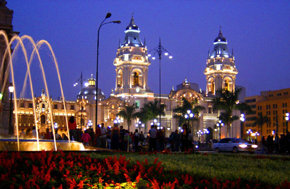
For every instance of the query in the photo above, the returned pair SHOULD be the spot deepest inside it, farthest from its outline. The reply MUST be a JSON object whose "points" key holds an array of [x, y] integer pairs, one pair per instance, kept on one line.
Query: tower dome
{"points": [[132, 35], [220, 48]]}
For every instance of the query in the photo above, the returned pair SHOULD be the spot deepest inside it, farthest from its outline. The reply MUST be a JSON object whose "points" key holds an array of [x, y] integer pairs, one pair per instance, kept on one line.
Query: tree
{"points": [[150, 110], [260, 121], [128, 113], [227, 102], [182, 110]]}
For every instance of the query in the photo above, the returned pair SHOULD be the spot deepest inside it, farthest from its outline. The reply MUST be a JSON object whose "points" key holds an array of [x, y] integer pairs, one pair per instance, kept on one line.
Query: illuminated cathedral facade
{"points": [[131, 87]]}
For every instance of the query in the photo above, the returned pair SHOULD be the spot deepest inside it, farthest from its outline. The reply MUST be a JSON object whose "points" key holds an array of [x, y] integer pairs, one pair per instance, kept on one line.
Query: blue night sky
{"points": [[258, 31]]}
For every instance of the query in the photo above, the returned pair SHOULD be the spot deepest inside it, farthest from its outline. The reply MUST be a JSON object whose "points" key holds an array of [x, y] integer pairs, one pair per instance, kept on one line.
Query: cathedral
{"points": [[131, 88]]}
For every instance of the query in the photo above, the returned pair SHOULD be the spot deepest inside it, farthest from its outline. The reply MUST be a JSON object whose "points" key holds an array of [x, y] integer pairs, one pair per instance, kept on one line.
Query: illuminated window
{"points": [[119, 78], [211, 87], [136, 79]]}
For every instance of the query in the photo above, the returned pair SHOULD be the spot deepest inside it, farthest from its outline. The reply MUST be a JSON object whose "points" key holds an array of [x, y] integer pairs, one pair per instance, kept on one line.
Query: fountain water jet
{"points": [[35, 50]]}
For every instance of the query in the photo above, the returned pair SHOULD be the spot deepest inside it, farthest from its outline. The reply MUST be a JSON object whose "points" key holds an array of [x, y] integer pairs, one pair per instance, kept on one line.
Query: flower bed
{"points": [[74, 170]]}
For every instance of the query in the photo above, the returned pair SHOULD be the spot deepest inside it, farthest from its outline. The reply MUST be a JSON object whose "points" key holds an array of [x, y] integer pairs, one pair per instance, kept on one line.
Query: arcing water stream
{"points": [[10, 57]]}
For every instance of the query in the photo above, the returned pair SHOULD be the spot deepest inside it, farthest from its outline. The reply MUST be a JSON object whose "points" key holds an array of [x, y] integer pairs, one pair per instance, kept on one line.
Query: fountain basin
{"points": [[47, 145]]}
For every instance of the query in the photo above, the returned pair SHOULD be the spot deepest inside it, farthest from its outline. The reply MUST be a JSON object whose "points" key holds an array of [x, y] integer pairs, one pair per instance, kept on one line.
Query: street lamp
{"points": [[219, 125], [287, 117], [160, 50], [11, 90], [97, 69], [242, 119]]}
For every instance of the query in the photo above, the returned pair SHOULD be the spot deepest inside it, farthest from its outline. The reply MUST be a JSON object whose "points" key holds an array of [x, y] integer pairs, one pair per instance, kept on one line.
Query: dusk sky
{"points": [[258, 31]]}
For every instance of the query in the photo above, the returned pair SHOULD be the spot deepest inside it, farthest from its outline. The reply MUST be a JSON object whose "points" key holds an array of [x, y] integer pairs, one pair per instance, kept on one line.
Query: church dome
{"points": [[132, 25], [89, 91], [220, 37]]}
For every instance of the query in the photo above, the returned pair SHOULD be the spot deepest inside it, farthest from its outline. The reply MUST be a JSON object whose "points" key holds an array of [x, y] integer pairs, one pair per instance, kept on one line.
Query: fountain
{"points": [[31, 144]]}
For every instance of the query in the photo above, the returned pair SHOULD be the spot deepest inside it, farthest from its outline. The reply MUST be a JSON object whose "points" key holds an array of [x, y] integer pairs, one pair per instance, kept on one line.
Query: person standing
{"points": [[72, 127], [115, 137], [152, 139], [136, 140], [86, 138]]}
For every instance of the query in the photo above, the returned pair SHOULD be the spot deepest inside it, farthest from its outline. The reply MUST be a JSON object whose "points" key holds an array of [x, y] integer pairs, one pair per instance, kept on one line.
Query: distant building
{"points": [[274, 105]]}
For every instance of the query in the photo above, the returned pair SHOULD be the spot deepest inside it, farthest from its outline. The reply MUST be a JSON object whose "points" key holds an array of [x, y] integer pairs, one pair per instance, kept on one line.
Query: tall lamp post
{"points": [[11, 90], [97, 70], [287, 117], [242, 119], [160, 50]]}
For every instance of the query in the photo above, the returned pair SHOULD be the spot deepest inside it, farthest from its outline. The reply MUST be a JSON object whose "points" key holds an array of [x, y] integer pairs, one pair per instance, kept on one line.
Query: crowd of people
{"points": [[276, 144], [118, 138]]}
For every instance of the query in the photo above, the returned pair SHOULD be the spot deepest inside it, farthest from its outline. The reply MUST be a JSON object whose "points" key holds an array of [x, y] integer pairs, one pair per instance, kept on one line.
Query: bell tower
{"points": [[220, 68], [132, 65]]}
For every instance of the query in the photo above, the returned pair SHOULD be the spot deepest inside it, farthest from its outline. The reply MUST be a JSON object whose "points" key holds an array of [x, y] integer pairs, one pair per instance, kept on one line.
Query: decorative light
{"points": [[287, 116], [153, 58], [55, 125], [170, 57], [166, 53], [11, 88], [191, 115], [242, 118]]}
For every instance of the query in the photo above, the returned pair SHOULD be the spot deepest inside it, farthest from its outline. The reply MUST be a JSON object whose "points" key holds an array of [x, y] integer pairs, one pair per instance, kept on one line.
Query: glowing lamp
{"points": [[11, 88]]}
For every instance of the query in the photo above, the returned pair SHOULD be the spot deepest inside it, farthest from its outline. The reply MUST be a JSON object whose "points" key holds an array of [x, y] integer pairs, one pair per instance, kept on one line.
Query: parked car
{"points": [[234, 145]]}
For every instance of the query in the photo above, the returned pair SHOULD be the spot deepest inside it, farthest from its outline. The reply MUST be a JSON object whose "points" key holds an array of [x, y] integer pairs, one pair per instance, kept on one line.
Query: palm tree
{"points": [[227, 102], [150, 111], [128, 113], [260, 121], [182, 110]]}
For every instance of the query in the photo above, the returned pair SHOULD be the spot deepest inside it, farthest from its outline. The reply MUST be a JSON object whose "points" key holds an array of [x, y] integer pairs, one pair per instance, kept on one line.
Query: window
{"points": [[42, 119], [279, 94], [22, 104], [284, 105], [285, 93], [43, 105], [55, 106], [72, 107], [30, 105], [274, 105], [270, 95]]}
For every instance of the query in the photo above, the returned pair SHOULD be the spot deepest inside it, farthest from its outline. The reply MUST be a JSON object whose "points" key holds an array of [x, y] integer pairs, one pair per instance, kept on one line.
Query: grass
{"points": [[272, 170]]}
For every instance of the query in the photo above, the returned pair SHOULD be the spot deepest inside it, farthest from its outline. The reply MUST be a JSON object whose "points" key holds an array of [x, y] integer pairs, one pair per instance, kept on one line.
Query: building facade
{"points": [[275, 106]]}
